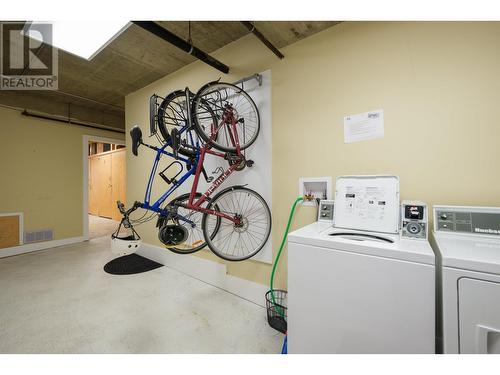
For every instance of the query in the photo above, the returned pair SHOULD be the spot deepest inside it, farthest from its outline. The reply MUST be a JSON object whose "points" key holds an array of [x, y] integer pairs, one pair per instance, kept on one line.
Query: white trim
{"points": [[21, 224], [208, 271], [28, 248], [85, 196]]}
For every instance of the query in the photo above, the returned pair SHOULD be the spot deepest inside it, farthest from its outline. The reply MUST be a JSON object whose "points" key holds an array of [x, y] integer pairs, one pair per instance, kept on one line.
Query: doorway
{"points": [[104, 185]]}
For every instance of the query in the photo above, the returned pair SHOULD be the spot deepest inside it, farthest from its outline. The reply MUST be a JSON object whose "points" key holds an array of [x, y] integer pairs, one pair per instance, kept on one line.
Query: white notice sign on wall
{"points": [[364, 126]]}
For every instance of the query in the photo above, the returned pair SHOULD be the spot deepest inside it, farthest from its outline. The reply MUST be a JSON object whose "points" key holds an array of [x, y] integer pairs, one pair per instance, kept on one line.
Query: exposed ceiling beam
{"points": [[170, 37], [251, 27]]}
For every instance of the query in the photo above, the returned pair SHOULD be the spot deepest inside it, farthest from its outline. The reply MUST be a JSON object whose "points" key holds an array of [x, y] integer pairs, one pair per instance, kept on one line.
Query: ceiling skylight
{"points": [[84, 38]]}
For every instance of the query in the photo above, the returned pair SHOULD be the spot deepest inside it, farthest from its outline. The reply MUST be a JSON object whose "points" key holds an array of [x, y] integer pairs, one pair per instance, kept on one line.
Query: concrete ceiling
{"points": [[94, 91]]}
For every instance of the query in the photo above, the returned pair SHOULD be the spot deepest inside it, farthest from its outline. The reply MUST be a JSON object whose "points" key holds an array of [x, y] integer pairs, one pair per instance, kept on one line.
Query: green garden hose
{"points": [[292, 211]]}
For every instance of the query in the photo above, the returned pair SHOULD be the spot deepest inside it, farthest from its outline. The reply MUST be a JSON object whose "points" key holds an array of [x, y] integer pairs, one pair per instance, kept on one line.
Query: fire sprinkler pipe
{"points": [[180, 43], [251, 27]]}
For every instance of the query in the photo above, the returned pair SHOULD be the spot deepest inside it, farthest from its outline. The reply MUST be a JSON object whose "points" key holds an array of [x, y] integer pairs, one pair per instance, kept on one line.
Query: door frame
{"points": [[85, 150]]}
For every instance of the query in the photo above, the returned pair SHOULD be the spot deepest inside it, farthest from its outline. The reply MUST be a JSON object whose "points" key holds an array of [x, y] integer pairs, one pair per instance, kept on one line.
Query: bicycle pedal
{"points": [[250, 163]]}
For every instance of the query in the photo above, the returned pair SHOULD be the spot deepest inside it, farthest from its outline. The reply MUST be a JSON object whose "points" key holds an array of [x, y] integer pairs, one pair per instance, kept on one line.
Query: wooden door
{"points": [[103, 188], [93, 183], [107, 183], [118, 181]]}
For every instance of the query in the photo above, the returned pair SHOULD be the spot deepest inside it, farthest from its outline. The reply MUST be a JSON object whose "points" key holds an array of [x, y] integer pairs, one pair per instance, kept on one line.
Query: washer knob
{"points": [[413, 228]]}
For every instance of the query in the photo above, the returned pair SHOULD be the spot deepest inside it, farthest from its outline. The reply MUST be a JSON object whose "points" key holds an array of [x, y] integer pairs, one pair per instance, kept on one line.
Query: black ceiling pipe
{"points": [[251, 27], [70, 121], [163, 33]]}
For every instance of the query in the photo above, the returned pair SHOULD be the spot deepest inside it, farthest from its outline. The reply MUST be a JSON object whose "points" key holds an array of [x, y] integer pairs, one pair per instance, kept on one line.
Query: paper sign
{"points": [[364, 126]]}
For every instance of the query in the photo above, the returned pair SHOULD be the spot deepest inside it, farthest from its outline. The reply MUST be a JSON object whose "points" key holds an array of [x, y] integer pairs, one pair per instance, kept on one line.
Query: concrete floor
{"points": [[100, 226], [61, 301]]}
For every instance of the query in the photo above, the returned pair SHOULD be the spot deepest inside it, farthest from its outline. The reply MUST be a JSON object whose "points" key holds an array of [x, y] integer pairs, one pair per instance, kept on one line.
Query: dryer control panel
{"points": [[463, 219]]}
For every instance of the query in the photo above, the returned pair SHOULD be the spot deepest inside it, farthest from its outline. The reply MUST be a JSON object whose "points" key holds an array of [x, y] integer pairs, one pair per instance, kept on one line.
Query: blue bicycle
{"points": [[220, 120]]}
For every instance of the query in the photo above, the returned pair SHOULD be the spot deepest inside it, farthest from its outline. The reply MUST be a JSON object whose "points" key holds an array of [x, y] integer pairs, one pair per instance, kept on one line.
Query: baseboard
{"points": [[28, 248], [210, 272]]}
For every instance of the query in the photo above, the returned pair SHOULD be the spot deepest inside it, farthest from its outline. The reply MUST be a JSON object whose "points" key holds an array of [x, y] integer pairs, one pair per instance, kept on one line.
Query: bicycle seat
{"points": [[136, 135]]}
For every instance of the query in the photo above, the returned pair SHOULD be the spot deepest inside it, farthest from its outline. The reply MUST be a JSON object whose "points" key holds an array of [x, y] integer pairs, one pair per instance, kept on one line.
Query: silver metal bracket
{"points": [[255, 76]]}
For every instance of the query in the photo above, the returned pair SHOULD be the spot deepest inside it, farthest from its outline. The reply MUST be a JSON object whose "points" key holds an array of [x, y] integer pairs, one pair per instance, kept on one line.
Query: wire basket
{"points": [[277, 309]]}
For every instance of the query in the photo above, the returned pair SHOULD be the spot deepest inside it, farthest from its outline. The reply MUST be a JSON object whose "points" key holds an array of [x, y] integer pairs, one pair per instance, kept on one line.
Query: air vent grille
{"points": [[39, 236]]}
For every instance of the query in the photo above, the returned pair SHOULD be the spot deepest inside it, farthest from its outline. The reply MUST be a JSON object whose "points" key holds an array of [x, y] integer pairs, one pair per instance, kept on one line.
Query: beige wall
{"points": [[438, 84], [41, 172]]}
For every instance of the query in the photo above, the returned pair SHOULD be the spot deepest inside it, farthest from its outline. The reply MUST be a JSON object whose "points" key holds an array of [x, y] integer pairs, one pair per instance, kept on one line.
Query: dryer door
{"points": [[479, 316]]}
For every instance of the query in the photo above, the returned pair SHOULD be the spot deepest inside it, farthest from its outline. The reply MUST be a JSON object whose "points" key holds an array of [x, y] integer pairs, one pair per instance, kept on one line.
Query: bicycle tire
{"points": [[187, 250], [223, 206], [171, 114], [210, 95]]}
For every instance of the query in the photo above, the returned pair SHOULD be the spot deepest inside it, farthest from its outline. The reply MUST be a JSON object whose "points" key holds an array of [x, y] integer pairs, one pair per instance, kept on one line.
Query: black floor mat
{"points": [[130, 264]]}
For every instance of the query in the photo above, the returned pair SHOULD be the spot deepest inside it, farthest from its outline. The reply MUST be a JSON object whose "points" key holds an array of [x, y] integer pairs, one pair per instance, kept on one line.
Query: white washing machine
{"points": [[468, 244], [356, 290]]}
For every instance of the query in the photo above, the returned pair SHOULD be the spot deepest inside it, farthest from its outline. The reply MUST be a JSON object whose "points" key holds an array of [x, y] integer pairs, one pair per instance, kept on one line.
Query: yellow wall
{"points": [[438, 84], [41, 172]]}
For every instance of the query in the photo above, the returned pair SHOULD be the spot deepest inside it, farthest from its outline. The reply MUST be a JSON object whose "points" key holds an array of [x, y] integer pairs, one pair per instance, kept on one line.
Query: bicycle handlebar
{"points": [[126, 213]]}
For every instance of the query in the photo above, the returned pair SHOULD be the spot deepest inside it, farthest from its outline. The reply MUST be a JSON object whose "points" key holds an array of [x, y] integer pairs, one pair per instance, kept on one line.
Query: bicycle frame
{"points": [[194, 167]]}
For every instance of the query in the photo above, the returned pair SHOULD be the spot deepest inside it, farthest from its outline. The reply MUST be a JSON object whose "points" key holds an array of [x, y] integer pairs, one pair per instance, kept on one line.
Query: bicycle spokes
{"points": [[237, 115], [246, 237]]}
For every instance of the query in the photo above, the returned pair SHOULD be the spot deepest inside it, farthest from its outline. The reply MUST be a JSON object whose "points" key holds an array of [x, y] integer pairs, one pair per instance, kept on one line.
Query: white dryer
{"points": [[468, 243], [360, 291]]}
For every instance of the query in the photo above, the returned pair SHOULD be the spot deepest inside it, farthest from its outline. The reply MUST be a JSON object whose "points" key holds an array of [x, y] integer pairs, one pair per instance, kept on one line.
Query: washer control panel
{"points": [[414, 220], [325, 211], [472, 220]]}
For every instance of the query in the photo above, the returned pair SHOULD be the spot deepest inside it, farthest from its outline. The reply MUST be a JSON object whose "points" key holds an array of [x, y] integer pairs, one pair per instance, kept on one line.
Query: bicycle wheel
{"points": [[230, 104], [172, 114], [238, 242], [195, 240]]}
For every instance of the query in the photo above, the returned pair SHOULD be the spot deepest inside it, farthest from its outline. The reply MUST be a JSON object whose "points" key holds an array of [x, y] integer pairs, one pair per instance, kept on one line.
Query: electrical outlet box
{"points": [[319, 187]]}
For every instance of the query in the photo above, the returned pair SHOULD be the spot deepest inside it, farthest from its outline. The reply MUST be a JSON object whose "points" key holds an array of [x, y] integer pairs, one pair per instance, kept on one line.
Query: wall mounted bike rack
{"points": [[255, 76]]}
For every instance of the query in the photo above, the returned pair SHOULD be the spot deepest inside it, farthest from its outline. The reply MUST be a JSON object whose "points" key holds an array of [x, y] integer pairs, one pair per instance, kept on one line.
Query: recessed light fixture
{"points": [[83, 38]]}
